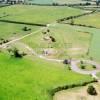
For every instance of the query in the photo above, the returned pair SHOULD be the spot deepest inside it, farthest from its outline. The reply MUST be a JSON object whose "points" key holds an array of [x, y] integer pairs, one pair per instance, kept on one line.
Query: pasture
{"points": [[33, 78], [11, 30], [89, 20], [69, 42], [29, 13]]}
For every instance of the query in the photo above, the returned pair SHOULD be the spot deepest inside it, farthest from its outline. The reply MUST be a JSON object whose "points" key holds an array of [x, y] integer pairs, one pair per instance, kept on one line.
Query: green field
{"points": [[31, 79], [9, 30], [27, 13], [68, 40], [90, 20], [94, 44]]}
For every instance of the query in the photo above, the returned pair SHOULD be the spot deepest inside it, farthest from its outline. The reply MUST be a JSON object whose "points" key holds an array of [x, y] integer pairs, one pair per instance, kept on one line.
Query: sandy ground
{"points": [[78, 94]]}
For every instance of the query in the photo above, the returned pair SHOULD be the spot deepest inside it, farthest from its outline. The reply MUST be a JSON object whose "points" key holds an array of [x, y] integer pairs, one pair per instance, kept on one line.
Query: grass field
{"points": [[86, 66], [31, 78], [22, 79], [68, 41], [94, 41], [27, 13], [9, 30], [92, 20]]}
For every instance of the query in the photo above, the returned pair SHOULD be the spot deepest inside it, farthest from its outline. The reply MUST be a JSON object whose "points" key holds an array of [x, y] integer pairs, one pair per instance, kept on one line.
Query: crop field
{"points": [[32, 77], [25, 13], [90, 20]]}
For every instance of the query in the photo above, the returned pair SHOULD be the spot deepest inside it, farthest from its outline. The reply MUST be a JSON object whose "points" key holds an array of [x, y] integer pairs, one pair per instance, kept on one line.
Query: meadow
{"points": [[33, 78], [11, 30], [89, 20], [69, 42], [29, 13], [94, 42]]}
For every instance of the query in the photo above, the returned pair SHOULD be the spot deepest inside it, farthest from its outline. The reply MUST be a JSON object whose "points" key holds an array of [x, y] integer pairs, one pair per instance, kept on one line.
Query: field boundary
{"points": [[25, 23], [81, 25], [65, 87], [74, 17]]}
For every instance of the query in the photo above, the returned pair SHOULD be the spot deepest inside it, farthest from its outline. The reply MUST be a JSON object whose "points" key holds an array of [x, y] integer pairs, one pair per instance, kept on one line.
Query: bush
{"points": [[26, 29], [82, 66], [15, 53], [81, 62], [94, 66], [91, 90], [66, 61], [52, 39]]}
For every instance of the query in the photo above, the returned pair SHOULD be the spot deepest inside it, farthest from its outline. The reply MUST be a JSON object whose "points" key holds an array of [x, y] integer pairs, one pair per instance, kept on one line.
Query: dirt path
{"points": [[39, 30], [74, 66]]}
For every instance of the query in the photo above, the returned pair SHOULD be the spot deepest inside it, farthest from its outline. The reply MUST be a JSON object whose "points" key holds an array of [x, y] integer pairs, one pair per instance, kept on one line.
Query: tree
{"points": [[82, 66], [52, 39], [15, 53], [26, 29], [91, 90], [66, 61]]}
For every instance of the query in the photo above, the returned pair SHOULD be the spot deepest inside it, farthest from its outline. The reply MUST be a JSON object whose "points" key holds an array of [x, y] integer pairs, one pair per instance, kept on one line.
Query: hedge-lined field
{"points": [[32, 79], [69, 41], [36, 14], [89, 20], [8, 30]]}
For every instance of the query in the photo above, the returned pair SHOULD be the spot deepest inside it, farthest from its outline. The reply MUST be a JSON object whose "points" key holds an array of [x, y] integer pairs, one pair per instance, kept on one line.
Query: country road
{"points": [[74, 66]]}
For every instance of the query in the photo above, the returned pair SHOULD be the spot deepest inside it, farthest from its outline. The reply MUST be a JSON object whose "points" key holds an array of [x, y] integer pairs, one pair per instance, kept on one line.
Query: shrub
{"points": [[94, 66], [66, 61], [15, 53], [81, 62], [69, 68], [91, 90], [26, 29], [52, 39], [82, 66]]}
